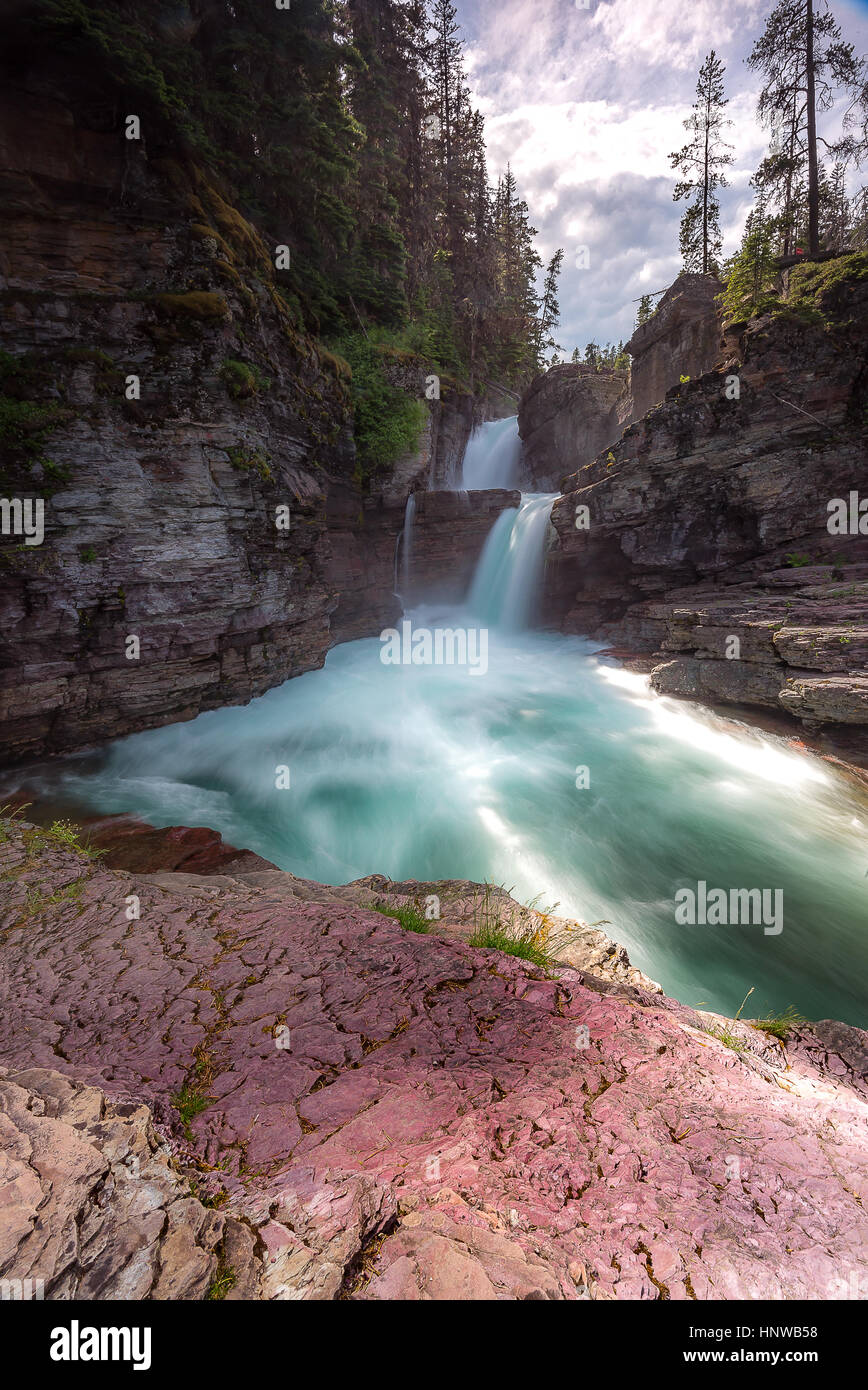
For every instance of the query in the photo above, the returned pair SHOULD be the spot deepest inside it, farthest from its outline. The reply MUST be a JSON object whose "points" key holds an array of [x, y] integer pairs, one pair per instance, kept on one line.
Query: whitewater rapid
{"points": [[554, 772]]}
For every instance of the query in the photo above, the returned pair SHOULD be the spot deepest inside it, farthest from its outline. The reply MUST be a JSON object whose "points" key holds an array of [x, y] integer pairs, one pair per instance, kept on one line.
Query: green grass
{"points": [[503, 938], [531, 940], [779, 1025], [728, 1038], [224, 1279], [37, 900], [189, 1103], [242, 380], [410, 917]]}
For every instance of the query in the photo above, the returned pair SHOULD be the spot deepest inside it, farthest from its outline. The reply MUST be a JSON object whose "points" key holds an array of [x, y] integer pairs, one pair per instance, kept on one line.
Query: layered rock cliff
{"points": [[278, 1092], [681, 338], [206, 535], [572, 413], [708, 520], [569, 412]]}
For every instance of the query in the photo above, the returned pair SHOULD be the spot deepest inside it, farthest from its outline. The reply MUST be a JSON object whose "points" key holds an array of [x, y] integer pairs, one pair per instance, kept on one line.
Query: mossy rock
{"points": [[822, 291], [242, 379], [195, 304], [246, 459]]}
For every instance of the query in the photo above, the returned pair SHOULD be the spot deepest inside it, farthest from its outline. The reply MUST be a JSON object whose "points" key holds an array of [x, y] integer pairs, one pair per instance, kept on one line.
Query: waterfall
{"points": [[492, 457], [509, 575], [406, 544]]}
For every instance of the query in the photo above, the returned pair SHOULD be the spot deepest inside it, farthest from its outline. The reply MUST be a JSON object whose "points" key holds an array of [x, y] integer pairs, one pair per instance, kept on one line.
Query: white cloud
{"points": [[586, 104]]}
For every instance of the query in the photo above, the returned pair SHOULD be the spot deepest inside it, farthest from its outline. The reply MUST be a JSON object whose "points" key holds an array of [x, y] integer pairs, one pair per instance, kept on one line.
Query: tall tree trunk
{"points": [[813, 175], [705, 189]]}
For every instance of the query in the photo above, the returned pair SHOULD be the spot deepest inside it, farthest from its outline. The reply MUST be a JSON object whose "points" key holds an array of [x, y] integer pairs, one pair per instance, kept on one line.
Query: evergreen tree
{"points": [[341, 128], [550, 312], [803, 60], [645, 311], [702, 161], [751, 273]]}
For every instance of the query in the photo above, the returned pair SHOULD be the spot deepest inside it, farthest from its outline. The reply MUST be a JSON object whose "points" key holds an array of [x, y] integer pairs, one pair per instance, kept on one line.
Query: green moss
{"points": [[202, 232], [242, 379], [196, 304], [25, 426], [337, 364], [245, 459], [821, 291]]}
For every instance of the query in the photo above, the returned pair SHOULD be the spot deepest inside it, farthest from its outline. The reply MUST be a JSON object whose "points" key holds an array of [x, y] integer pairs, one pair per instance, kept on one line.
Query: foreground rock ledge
{"points": [[253, 1093]]}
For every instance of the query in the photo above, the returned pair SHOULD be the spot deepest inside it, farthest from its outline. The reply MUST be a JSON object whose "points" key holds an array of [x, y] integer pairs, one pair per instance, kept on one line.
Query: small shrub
{"points": [[189, 1103]]}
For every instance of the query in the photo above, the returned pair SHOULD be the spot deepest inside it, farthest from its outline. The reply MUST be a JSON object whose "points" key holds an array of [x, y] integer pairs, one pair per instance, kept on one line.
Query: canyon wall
{"points": [[449, 532], [681, 338], [707, 521], [568, 413], [206, 531], [572, 413]]}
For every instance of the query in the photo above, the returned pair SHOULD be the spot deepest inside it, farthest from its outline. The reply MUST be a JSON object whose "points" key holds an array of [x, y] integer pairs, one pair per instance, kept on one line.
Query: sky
{"points": [[585, 99]]}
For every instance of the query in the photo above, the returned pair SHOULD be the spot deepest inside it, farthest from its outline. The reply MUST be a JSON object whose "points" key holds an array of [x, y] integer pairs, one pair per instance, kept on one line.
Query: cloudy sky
{"points": [[586, 104]]}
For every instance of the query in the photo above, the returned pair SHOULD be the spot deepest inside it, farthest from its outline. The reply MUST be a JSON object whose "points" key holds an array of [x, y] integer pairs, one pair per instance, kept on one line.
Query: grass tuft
{"points": [[779, 1025], [410, 917]]}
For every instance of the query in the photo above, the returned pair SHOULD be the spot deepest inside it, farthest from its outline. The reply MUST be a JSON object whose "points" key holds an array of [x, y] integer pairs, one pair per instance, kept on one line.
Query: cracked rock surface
{"points": [[385, 1115]]}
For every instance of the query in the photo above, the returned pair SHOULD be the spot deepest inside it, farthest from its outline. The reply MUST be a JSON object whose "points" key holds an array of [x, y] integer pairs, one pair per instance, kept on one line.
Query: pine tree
{"points": [[803, 60], [751, 273], [702, 161], [836, 213], [646, 309], [550, 312]]}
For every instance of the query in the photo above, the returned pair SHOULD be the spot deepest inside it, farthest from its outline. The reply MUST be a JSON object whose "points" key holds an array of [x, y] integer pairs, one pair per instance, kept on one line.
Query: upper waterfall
{"points": [[492, 457]]}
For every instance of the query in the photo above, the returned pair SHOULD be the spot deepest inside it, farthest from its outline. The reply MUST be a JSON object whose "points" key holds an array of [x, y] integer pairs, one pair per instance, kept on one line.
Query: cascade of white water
{"points": [[492, 456], [508, 577], [406, 544]]}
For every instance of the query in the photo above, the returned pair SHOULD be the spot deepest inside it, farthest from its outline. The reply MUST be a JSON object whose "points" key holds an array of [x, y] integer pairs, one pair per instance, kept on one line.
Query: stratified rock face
{"points": [[205, 537], [682, 338], [449, 532], [161, 518], [400, 1116], [707, 522], [567, 416]]}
